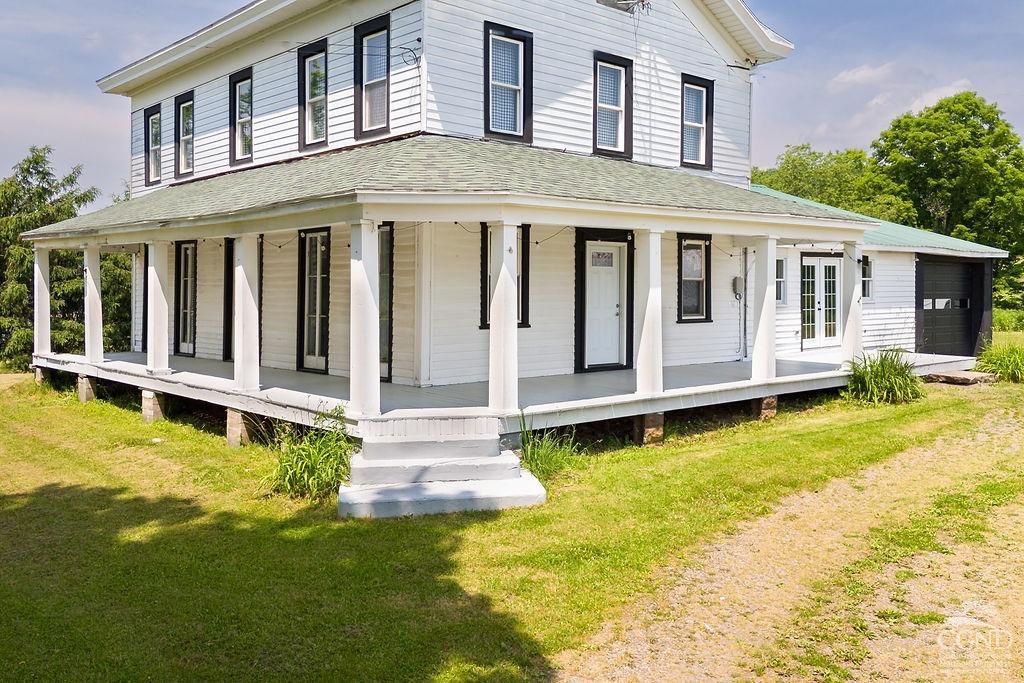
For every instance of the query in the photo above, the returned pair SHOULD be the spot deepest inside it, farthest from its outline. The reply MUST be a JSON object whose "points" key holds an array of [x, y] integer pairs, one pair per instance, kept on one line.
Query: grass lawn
{"points": [[134, 551], [1008, 338]]}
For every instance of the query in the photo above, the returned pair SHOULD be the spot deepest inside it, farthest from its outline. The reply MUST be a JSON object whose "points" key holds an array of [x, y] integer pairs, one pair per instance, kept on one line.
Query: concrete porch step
{"points": [[448, 447], [426, 498], [375, 471]]}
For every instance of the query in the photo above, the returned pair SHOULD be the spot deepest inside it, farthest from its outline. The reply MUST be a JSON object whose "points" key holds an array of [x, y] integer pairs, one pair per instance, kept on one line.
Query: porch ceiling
{"points": [[441, 168]]}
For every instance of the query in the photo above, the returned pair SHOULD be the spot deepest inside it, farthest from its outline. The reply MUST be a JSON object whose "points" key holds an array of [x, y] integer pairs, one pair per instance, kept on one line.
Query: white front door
{"points": [[605, 304], [819, 301]]}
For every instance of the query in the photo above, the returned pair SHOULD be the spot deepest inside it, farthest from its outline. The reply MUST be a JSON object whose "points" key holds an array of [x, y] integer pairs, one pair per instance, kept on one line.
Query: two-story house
{"points": [[445, 217]]}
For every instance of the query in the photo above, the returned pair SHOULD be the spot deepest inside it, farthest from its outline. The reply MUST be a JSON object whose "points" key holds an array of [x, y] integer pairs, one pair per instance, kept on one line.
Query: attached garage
{"points": [[954, 305]]}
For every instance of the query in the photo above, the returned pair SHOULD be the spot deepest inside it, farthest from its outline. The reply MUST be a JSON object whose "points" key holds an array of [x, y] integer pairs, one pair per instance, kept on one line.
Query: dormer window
{"points": [[151, 119], [508, 88], [613, 106], [241, 116], [184, 135], [313, 95], [697, 123], [372, 76]]}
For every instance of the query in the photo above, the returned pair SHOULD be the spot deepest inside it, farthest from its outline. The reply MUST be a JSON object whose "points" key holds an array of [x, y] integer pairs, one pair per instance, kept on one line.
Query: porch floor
{"points": [[548, 401]]}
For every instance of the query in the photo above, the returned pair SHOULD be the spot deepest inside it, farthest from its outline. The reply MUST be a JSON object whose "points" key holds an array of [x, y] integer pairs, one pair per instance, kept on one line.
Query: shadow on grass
{"points": [[100, 582]]}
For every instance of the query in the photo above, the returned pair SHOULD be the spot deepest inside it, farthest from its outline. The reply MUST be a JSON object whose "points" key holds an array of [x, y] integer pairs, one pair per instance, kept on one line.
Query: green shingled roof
{"points": [[428, 163], [889, 234]]}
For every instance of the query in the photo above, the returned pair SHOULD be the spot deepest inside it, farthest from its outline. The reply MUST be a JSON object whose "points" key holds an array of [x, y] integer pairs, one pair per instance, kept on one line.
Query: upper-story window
{"points": [[241, 111], [508, 83], [372, 76], [151, 121], [184, 135], [698, 122], [613, 105], [313, 94]]}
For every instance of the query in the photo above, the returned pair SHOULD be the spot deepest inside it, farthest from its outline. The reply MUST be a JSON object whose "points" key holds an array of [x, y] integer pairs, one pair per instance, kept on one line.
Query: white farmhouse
{"points": [[445, 217]]}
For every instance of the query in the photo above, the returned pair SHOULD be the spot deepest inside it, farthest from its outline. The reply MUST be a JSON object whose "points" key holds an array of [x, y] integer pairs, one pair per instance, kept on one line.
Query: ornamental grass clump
{"points": [[886, 377], [314, 462], [547, 452], [1006, 361]]}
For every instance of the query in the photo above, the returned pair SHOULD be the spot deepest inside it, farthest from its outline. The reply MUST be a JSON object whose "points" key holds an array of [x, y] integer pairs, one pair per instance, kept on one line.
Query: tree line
{"points": [[956, 168]]}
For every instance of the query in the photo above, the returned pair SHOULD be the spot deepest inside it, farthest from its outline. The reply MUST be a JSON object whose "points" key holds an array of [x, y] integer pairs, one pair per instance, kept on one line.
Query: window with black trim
{"points": [[613, 105], [314, 298], [240, 96], [372, 64], [185, 298], [694, 278], [780, 280], [698, 116], [184, 134], [867, 277], [152, 136], [522, 276], [508, 83], [228, 334], [313, 95]]}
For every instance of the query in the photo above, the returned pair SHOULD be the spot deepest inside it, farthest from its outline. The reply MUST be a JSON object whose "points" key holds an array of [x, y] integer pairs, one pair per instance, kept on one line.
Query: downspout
{"points": [[745, 313]]}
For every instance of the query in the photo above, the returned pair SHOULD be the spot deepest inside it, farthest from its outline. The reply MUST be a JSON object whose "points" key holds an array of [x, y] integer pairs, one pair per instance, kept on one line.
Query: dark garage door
{"points": [[946, 305]]}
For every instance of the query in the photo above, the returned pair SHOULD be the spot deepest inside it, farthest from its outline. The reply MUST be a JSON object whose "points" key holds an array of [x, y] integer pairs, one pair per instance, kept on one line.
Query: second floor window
{"points": [[613, 107], [151, 118], [313, 94], [184, 135], [697, 124], [508, 91], [241, 116], [372, 75]]}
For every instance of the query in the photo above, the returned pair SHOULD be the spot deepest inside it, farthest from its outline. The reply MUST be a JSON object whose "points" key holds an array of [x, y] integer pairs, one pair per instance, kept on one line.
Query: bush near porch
{"points": [[152, 551]]}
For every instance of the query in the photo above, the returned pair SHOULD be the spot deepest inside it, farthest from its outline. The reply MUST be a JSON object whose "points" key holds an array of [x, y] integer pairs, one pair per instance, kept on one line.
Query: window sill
{"points": [[307, 146], [697, 167], [522, 326], [508, 137], [613, 154], [690, 321]]}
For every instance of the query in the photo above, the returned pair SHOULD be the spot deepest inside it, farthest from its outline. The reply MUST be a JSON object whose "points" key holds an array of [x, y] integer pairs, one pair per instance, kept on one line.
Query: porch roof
{"points": [[427, 164], [889, 236]]}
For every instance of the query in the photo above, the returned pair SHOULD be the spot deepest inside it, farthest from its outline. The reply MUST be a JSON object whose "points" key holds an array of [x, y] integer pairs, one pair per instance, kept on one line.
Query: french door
{"points": [[820, 312], [185, 299], [315, 264], [386, 283]]}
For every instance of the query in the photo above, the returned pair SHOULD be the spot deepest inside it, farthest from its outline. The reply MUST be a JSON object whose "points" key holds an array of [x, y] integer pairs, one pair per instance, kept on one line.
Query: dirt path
{"points": [[976, 588], [708, 618], [7, 381]]}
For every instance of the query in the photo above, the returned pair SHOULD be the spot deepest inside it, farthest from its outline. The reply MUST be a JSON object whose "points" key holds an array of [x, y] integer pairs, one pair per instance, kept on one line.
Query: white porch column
{"points": [[364, 366], [649, 356], [763, 310], [93, 307], [41, 301], [156, 309], [246, 331], [503, 375], [853, 333]]}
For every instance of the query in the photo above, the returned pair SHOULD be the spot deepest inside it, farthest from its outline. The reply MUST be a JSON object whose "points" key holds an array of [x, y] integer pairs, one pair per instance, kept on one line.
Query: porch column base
{"points": [[649, 429], [239, 428], [86, 388], [42, 376], [764, 408], [153, 406]]}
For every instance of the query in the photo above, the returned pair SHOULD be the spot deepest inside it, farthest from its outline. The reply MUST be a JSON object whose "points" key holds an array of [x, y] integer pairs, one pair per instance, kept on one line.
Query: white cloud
{"points": [[91, 130], [930, 97], [862, 75]]}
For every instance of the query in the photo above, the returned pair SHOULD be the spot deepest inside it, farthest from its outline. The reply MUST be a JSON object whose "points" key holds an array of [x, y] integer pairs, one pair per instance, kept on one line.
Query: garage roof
{"points": [[889, 236], [433, 164]]}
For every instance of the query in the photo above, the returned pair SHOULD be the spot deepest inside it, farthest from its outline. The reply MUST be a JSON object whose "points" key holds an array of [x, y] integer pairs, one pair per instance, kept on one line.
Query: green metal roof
{"points": [[894, 235], [425, 164]]}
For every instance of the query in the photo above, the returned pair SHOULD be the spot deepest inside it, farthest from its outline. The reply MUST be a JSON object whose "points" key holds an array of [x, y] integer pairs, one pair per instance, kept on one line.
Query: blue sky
{"points": [[857, 65]]}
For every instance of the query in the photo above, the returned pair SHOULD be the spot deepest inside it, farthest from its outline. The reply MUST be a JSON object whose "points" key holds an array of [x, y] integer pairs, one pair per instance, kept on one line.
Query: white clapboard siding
{"points": [[548, 347], [210, 299], [138, 289], [339, 322], [787, 312], [662, 45], [889, 316], [275, 90], [404, 327], [720, 340], [280, 292]]}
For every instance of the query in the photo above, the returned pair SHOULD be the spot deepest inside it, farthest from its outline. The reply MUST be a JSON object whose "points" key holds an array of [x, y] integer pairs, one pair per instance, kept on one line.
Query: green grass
{"points": [[151, 551], [1007, 320], [1008, 337]]}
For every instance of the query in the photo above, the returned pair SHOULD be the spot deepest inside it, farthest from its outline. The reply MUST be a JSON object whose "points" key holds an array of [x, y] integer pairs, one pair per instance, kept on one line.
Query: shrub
{"points": [[546, 452], [886, 377], [314, 462], [1003, 360], [1007, 320]]}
